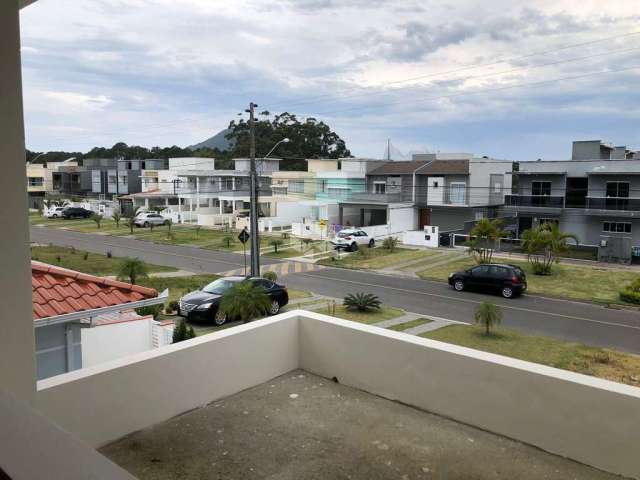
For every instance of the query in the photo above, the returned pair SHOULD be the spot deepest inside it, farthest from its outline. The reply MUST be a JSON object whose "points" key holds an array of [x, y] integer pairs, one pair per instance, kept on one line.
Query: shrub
{"points": [[116, 217], [227, 239], [270, 276], [85, 256], [109, 254], [172, 306], [131, 269], [488, 315], [390, 243], [153, 310], [631, 293], [181, 332], [362, 302], [544, 245], [73, 250], [58, 258], [275, 243], [483, 238], [96, 217], [285, 235], [245, 301], [363, 253]]}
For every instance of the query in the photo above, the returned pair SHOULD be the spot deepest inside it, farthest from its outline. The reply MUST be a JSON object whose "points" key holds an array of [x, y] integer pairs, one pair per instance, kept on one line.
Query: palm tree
{"points": [[362, 302], [116, 216], [544, 245], [96, 217], [489, 315], [275, 243], [131, 223], [245, 301], [227, 239], [483, 237], [132, 269]]}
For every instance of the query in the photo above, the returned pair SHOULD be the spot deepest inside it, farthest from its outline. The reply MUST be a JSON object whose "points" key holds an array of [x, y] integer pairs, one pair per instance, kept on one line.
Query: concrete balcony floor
{"points": [[301, 426]]}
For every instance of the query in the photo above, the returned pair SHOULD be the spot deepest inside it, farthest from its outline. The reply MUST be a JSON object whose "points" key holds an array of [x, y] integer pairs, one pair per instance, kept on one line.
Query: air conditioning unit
{"points": [[604, 243]]}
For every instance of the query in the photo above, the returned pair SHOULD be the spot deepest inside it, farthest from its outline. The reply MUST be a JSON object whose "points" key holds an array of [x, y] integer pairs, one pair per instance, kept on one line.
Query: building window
{"points": [[143, 165], [296, 186], [457, 193], [226, 183], [551, 221], [379, 187], [540, 188], [36, 181], [616, 227], [618, 189], [394, 184]]}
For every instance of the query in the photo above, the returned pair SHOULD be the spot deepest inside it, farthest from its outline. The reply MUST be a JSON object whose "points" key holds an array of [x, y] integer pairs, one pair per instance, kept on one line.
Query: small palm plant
{"points": [[131, 223], [227, 239], [116, 216], [275, 243], [390, 243], [269, 275], [362, 302], [245, 301], [132, 269], [96, 217], [488, 315]]}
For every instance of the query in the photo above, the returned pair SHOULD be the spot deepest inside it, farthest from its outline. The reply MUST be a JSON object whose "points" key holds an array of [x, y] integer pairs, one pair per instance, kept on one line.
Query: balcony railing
{"points": [[381, 197], [613, 203], [542, 201]]}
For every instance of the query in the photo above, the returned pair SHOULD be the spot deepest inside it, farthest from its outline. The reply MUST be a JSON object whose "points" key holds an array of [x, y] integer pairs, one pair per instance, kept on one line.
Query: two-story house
{"points": [[440, 189], [41, 180], [595, 195]]}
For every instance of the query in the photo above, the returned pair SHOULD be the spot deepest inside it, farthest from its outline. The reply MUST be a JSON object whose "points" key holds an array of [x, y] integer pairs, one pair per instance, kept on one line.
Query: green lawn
{"points": [[410, 324], [376, 258], [568, 281], [374, 316], [95, 264], [598, 362], [298, 294]]}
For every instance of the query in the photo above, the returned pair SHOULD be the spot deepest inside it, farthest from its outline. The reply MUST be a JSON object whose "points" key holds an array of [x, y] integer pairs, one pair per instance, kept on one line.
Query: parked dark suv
{"points": [[202, 305], [76, 212], [509, 280]]}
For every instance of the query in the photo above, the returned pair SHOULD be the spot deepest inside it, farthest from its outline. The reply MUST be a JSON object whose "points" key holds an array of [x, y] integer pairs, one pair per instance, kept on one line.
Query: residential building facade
{"points": [[40, 180], [597, 199]]}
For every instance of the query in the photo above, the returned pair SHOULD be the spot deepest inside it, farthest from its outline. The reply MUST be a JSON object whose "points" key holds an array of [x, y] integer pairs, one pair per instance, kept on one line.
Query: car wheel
{"points": [[458, 285], [354, 247], [372, 243], [219, 318], [166, 222], [145, 224], [275, 307], [55, 215], [507, 292]]}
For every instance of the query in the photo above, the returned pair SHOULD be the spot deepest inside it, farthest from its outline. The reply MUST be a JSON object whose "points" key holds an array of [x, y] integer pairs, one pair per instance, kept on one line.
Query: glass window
{"points": [[379, 187], [606, 227], [540, 188], [618, 189], [296, 186], [219, 286], [481, 270], [457, 193], [616, 227]]}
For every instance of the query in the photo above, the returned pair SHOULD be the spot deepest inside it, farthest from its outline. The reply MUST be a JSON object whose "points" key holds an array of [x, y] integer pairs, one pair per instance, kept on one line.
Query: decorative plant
{"points": [[544, 245], [227, 239], [362, 302], [269, 275], [131, 223], [631, 293], [488, 315], [245, 301], [85, 256], [275, 243], [172, 306], [181, 332], [132, 269], [96, 217], [153, 310], [109, 254], [116, 216], [390, 243], [483, 239]]}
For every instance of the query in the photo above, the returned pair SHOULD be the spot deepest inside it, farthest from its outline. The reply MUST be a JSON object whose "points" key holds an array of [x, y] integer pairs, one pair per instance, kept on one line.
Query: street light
{"points": [[284, 140]]}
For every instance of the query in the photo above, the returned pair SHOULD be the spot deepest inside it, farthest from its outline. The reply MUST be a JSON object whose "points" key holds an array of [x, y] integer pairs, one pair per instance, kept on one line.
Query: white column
{"points": [[17, 345], [220, 202], [197, 193]]}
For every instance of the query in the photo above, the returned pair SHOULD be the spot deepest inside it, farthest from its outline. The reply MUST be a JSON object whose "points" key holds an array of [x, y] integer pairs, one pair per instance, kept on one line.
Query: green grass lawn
{"points": [[598, 362], [178, 286], [568, 281], [376, 258], [410, 324], [374, 316], [95, 263], [298, 294]]}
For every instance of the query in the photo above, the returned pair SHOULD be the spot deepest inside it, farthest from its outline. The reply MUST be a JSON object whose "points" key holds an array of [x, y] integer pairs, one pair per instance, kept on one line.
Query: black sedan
{"points": [[202, 305], [509, 280], [76, 212]]}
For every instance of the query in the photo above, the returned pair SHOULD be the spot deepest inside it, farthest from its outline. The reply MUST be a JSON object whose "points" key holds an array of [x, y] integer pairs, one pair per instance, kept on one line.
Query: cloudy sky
{"points": [[509, 79]]}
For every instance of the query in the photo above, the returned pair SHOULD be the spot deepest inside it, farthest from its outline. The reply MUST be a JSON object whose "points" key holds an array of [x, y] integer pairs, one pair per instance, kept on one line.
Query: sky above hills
{"points": [[516, 80]]}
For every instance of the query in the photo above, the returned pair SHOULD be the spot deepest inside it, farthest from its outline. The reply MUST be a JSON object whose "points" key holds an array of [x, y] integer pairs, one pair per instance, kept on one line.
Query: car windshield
{"points": [[344, 233], [219, 286]]}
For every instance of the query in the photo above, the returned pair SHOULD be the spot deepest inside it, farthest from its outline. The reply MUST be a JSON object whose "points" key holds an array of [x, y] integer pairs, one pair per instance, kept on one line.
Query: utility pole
{"points": [[253, 213], [388, 149]]}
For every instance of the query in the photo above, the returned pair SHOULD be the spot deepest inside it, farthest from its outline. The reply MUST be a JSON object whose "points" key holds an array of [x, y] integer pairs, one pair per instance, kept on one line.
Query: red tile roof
{"points": [[57, 291]]}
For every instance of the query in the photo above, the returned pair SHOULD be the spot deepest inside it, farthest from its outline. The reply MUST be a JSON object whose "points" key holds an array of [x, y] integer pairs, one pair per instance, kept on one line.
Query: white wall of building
{"points": [[293, 211], [104, 343], [402, 218], [192, 163], [424, 238]]}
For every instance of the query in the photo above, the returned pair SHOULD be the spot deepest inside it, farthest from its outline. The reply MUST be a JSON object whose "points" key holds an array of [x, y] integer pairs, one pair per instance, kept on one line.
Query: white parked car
{"points": [[352, 239], [147, 219], [55, 212]]}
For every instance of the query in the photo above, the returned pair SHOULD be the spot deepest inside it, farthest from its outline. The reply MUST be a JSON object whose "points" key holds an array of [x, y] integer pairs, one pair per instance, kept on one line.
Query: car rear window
{"points": [[344, 234]]}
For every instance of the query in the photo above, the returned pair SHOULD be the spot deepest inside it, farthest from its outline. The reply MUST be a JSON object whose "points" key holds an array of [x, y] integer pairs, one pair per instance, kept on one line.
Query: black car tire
{"points": [[219, 318], [354, 247], [166, 222], [145, 224], [372, 243], [55, 215], [458, 285], [275, 307], [507, 292]]}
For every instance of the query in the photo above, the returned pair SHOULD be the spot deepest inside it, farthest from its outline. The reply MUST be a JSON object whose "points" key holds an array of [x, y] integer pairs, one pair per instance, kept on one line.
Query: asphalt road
{"points": [[574, 321]]}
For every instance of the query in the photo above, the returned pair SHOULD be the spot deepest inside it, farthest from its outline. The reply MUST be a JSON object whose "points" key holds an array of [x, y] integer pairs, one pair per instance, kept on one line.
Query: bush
{"points": [[285, 236], [73, 250], [109, 254], [85, 256], [631, 293], [390, 243], [488, 315], [362, 302], [270, 276], [58, 259], [541, 269], [153, 310], [181, 332], [275, 243], [172, 306]]}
